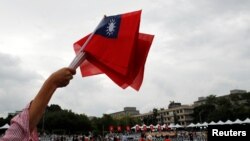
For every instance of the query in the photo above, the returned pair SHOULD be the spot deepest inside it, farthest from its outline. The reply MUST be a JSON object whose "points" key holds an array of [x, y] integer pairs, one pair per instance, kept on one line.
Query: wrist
{"points": [[50, 82]]}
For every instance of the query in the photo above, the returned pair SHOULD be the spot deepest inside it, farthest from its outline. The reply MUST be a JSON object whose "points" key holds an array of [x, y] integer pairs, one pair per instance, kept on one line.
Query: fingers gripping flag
{"points": [[117, 49]]}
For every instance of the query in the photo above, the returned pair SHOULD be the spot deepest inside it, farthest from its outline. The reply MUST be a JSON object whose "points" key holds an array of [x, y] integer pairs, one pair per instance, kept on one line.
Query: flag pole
{"points": [[81, 55]]}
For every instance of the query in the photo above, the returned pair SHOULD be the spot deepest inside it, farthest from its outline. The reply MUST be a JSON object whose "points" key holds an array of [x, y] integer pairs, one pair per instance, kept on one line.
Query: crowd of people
{"points": [[139, 136]]}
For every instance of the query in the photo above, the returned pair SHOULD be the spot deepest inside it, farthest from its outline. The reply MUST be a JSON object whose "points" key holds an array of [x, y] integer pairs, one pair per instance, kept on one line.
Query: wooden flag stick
{"points": [[81, 55]]}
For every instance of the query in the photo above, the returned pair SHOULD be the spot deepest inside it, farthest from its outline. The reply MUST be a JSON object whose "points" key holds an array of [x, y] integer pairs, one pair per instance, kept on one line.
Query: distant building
{"points": [[201, 100], [237, 91], [91, 117], [183, 113], [128, 111], [173, 104], [235, 94]]}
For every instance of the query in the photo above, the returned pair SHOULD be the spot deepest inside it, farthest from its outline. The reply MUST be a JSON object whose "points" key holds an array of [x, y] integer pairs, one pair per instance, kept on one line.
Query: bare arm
{"points": [[58, 79]]}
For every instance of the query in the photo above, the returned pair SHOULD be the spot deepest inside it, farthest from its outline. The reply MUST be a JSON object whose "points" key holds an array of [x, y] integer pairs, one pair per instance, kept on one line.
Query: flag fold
{"points": [[117, 49]]}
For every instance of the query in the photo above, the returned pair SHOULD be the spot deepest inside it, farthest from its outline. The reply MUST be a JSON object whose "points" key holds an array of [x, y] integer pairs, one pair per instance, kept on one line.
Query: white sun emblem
{"points": [[111, 27]]}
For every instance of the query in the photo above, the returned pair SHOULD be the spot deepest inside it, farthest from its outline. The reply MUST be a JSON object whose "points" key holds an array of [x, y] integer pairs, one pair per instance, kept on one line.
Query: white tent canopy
{"points": [[247, 120], [237, 121], [171, 126], [151, 126], [228, 122], [164, 126], [134, 127], [191, 125], [198, 124], [6, 126], [212, 123], [143, 126], [204, 124], [220, 123], [175, 126]]}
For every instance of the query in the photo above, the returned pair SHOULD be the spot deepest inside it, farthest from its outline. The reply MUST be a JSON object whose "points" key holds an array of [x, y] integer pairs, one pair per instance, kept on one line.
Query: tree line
{"points": [[57, 120], [63, 121]]}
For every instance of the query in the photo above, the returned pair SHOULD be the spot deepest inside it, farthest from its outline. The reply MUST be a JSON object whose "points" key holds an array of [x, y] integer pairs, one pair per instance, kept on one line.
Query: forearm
{"points": [[40, 103], [58, 79]]}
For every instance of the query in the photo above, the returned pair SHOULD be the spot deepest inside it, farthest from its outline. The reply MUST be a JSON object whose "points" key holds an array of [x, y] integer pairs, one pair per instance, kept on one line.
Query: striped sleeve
{"points": [[19, 128]]}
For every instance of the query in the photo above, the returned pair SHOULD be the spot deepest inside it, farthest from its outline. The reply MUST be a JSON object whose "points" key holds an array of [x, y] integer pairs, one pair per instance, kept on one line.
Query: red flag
{"points": [[119, 128], [128, 128], [111, 128], [151, 127], [159, 127], [118, 50], [137, 128], [144, 128]]}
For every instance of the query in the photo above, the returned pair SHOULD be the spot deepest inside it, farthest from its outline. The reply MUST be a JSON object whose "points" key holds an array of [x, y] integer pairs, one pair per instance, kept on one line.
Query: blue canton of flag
{"points": [[109, 27]]}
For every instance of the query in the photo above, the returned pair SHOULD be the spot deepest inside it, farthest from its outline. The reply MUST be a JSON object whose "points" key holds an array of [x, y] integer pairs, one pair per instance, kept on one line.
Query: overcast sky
{"points": [[201, 47]]}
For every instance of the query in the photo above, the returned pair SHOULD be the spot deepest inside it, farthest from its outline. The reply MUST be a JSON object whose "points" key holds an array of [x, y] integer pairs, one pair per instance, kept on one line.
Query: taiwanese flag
{"points": [[128, 128], [119, 128], [144, 128], [159, 127], [117, 49], [111, 128], [151, 127]]}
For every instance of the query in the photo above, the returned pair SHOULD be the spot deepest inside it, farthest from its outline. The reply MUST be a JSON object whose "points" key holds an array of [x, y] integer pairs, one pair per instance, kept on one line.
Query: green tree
{"points": [[154, 118], [108, 121], [223, 108], [54, 108], [2, 121], [148, 120], [65, 121]]}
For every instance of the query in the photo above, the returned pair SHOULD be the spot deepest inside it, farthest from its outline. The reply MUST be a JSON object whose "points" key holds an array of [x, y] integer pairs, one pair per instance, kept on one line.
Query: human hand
{"points": [[62, 77]]}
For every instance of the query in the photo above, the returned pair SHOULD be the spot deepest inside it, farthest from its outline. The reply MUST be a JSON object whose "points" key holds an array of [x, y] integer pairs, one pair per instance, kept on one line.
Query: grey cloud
{"points": [[17, 85], [200, 48]]}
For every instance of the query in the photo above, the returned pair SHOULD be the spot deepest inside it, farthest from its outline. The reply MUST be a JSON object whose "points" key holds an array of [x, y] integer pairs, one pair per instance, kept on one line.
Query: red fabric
{"points": [[159, 128], [111, 128], [122, 59], [142, 139], [119, 128], [128, 128], [151, 127], [145, 128]]}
